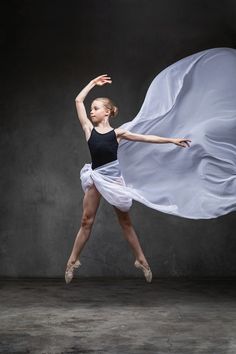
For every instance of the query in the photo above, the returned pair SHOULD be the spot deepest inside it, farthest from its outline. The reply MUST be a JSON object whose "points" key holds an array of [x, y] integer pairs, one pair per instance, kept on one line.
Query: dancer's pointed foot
{"points": [[69, 273], [146, 270]]}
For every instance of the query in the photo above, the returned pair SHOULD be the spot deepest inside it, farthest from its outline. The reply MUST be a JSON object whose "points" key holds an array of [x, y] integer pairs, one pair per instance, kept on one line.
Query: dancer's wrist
{"points": [[92, 83]]}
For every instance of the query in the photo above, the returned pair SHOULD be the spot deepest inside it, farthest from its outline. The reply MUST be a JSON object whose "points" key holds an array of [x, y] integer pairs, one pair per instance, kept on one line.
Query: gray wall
{"points": [[50, 50]]}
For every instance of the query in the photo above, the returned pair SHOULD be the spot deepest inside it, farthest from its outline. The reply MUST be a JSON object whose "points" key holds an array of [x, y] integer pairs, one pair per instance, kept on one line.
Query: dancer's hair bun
{"points": [[114, 111]]}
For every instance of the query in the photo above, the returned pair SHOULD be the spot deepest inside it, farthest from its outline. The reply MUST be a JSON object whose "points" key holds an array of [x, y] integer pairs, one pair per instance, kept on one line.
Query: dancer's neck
{"points": [[103, 127]]}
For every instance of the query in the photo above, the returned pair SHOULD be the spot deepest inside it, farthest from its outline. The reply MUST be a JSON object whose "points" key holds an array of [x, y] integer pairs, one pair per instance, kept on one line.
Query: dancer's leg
{"points": [[90, 205], [131, 236]]}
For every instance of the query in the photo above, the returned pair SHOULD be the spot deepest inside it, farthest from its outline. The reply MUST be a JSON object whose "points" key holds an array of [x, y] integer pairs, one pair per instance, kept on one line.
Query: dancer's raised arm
{"points": [[79, 100], [124, 134]]}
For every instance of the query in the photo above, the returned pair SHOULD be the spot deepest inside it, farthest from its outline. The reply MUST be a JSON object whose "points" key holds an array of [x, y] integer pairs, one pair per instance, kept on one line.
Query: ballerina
{"points": [[103, 177]]}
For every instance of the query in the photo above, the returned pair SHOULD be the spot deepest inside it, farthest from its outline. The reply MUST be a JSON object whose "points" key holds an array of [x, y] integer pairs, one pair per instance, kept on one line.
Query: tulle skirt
{"points": [[194, 98], [111, 185]]}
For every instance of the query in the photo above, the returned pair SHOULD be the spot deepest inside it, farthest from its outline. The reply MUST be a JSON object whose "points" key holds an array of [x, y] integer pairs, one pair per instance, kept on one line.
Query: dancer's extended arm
{"points": [[124, 134]]}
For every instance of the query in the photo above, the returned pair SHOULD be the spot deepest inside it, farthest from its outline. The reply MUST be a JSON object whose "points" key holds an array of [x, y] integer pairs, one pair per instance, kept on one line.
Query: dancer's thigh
{"points": [[123, 217], [91, 201]]}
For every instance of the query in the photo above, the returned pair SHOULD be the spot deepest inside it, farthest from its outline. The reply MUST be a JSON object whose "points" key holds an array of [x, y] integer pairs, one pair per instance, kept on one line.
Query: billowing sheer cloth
{"points": [[194, 98], [110, 183]]}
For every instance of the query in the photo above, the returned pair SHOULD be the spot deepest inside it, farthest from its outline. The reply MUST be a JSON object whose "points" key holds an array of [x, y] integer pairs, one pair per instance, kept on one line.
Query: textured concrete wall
{"points": [[50, 50]]}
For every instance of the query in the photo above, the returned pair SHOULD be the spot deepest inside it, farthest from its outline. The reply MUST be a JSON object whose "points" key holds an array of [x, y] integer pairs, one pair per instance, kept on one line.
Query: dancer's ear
{"points": [[107, 112]]}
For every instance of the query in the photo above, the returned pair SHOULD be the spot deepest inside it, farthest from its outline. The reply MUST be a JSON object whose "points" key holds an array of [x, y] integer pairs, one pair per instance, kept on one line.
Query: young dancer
{"points": [[103, 176]]}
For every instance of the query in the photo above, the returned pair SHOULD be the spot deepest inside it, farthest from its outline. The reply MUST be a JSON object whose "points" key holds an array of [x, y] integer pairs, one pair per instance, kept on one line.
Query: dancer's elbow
{"points": [[79, 100]]}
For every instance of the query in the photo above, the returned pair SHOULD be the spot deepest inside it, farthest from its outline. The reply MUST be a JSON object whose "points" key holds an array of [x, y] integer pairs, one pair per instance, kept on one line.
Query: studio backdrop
{"points": [[50, 51]]}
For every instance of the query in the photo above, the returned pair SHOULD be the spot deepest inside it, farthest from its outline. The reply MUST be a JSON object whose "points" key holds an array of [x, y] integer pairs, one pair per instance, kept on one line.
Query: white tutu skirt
{"points": [[111, 185], [194, 98]]}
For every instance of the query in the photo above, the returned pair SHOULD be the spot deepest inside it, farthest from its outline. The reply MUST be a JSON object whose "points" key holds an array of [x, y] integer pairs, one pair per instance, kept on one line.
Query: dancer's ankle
{"points": [[143, 262], [72, 261]]}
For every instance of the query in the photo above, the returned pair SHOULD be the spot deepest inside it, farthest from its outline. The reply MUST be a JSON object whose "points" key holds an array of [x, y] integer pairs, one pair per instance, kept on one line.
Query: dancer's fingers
{"points": [[105, 76], [106, 79], [186, 141], [102, 77], [107, 82]]}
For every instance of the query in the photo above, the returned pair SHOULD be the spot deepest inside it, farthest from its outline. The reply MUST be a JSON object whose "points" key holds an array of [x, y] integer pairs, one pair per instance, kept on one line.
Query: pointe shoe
{"points": [[146, 271], [70, 271]]}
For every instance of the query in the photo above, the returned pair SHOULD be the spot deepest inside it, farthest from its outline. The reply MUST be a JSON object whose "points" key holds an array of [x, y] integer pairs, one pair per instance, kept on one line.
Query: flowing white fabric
{"points": [[110, 183], [194, 98]]}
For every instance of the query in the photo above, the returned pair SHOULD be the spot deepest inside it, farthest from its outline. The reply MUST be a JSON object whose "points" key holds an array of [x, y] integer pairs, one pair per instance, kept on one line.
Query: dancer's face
{"points": [[98, 111]]}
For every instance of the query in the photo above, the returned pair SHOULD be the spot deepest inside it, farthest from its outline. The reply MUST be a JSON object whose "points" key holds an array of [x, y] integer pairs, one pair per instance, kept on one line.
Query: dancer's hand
{"points": [[181, 142], [102, 80]]}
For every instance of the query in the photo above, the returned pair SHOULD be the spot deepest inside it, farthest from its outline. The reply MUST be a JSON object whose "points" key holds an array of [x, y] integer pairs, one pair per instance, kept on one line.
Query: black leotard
{"points": [[103, 147]]}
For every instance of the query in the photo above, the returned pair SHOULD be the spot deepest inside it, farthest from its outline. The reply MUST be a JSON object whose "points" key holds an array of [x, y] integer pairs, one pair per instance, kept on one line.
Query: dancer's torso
{"points": [[103, 147]]}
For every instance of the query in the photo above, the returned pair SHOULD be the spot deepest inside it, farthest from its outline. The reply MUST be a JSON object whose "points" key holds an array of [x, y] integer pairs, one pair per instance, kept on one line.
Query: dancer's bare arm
{"points": [[125, 134], [81, 111], [79, 101]]}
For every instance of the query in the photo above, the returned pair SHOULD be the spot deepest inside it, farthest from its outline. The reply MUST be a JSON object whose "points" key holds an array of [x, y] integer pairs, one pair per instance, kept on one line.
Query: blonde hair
{"points": [[108, 103]]}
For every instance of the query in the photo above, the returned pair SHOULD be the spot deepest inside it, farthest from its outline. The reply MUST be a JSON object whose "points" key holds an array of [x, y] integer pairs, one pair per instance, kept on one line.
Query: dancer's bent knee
{"points": [[87, 222]]}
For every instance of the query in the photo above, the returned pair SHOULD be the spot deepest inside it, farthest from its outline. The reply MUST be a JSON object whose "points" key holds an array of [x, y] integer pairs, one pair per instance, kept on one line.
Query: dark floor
{"points": [[118, 316]]}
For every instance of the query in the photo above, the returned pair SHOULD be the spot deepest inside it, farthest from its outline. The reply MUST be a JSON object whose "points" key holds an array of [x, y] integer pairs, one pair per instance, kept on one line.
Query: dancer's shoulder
{"points": [[120, 131]]}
